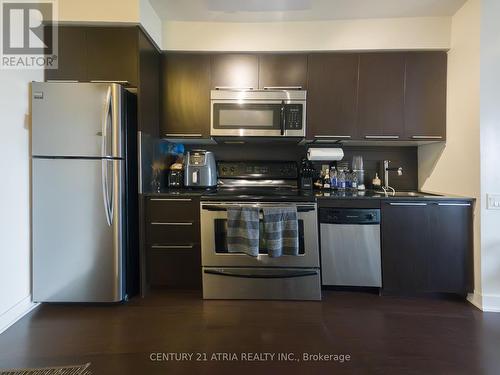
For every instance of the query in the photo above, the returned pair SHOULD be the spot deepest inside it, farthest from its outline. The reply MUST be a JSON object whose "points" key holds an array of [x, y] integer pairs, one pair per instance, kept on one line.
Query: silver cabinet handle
{"points": [[172, 224], [332, 136], [181, 135], [282, 87], [110, 81], [233, 88], [172, 246], [453, 204], [172, 199], [382, 136], [408, 204], [427, 137]]}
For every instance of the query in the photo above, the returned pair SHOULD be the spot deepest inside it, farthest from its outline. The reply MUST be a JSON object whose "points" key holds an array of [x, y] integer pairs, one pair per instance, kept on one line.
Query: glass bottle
{"points": [[326, 180], [341, 181], [333, 178]]}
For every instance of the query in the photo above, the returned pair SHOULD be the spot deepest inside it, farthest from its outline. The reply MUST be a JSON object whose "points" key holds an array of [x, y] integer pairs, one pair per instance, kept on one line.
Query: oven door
{"points": [[261, 118], [214, 244]]}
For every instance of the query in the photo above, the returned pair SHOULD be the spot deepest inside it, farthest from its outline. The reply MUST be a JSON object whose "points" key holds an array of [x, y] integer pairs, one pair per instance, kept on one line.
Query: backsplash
{"points": [[373, 156]]}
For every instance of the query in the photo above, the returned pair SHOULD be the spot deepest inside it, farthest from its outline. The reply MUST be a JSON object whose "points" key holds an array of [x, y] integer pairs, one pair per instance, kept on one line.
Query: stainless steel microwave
{"points": [[258, 113]]}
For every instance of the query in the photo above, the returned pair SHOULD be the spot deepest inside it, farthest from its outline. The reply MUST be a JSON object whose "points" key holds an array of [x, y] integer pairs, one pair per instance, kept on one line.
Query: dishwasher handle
{"points": [[357, 216]]}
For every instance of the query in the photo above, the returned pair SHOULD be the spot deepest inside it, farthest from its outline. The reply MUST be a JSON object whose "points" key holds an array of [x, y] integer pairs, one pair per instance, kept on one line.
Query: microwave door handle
{"points": [[282, 117]]}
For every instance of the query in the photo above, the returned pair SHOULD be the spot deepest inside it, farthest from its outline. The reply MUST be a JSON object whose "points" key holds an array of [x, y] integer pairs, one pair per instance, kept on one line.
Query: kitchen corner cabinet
{"points": [[332, 83], [185, 95], [381, 96], [283, 70], [425, 95], [148, 90], [234, 70], [427, 247]]}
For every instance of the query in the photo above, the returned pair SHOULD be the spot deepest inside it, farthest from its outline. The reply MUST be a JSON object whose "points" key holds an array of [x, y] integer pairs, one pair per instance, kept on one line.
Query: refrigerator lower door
{"points": [[77, 230]]}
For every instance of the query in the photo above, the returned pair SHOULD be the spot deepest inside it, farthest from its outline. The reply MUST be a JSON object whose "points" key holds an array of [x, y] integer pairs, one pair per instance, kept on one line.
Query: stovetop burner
{"points": [[258, 181], [260, 194]]}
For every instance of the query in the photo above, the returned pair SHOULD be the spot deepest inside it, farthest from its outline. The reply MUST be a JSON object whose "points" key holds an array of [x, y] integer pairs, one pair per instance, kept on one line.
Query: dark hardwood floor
{"points": [[382, 335]]}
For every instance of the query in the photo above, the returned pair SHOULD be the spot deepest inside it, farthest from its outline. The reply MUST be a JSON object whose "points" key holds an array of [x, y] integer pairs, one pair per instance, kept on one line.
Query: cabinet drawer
{"points": [[173, 233], [174, 209], [175, 267]]}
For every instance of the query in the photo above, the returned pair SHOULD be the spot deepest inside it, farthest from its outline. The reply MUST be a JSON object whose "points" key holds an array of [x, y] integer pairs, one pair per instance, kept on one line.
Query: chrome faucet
{"points": [[386, 186]]}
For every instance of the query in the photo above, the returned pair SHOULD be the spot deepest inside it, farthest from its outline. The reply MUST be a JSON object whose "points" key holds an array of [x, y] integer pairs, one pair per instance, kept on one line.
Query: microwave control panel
{"points": [[293, 116]]}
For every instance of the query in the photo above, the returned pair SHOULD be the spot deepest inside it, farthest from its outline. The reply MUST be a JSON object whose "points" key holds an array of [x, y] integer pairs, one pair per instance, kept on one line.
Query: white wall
{"points": [[454, 168], [15, 269], [150, 21], [490, 152], [362, 34], [99, 10], [113, 11]]}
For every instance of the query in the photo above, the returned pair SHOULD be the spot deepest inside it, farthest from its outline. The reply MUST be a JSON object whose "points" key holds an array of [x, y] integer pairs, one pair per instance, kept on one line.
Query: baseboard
{"points": [[485, 302], [16, 312], [476, 300]]}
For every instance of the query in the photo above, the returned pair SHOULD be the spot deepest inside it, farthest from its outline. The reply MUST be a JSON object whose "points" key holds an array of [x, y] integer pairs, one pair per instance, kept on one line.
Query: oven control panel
{"points": [[260, 170]]}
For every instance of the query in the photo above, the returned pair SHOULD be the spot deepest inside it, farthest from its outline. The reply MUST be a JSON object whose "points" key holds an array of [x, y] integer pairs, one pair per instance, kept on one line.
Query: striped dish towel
{"points": [[243, 230], [281, 231]]}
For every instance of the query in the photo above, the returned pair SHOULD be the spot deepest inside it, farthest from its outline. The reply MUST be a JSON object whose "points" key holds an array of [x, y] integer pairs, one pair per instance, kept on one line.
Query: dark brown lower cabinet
{"points": [[427, 247], [172, 248], [175, 267]]}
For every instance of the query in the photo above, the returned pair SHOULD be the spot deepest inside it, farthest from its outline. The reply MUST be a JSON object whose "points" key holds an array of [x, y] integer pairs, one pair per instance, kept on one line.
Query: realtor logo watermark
{"points": [[28, 34]]}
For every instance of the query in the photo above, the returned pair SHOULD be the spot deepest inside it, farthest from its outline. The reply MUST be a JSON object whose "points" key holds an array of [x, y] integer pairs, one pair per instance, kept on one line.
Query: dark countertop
{"points": [[400, 195], [219, 194]]}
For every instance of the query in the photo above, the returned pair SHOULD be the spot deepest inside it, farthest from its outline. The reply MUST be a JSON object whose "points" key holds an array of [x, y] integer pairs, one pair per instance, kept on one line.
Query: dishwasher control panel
{"points": [[349, 216]]}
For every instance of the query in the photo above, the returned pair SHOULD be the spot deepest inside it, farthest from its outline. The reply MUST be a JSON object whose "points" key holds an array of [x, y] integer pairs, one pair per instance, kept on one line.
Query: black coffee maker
{"points": [[175, 178]]}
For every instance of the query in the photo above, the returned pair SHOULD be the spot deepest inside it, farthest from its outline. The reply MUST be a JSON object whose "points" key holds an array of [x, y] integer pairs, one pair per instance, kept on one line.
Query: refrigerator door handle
{"points": [[111, 199], [105, 190], [105, 123]]}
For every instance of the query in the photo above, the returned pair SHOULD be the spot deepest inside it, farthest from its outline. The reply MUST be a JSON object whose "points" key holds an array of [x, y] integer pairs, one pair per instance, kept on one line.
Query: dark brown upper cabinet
{"points": [[283, 70], [72, 55], [148, 90], [425, 96], [112, 54], [332, 83], [185, 95], [235, 70], [381, 96]]}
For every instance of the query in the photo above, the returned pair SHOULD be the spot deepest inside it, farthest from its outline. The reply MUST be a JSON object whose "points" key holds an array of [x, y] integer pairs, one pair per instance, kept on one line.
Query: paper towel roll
{"points": [[330, 154]]}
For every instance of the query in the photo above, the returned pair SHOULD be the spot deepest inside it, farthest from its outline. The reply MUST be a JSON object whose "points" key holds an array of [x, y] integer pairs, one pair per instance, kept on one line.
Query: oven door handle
{"points": [[252, 275], [223, 208]]}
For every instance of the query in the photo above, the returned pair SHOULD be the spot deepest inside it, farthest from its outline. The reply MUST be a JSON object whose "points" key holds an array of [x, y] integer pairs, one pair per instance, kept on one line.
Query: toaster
{"points": [[200, 170]]}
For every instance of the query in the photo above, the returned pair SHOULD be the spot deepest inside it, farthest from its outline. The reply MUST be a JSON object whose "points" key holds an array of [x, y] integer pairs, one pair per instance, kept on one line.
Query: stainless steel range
{"points": [[239, 276]]}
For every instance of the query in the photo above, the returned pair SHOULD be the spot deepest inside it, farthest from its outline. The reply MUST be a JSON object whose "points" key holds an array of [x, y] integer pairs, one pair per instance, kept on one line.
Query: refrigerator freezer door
{"points": [[77, 254], [77, 119]]}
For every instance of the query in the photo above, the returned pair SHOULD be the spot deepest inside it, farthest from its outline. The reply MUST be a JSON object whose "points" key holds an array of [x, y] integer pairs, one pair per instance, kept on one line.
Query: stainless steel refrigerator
{"points": [[84, 192]]}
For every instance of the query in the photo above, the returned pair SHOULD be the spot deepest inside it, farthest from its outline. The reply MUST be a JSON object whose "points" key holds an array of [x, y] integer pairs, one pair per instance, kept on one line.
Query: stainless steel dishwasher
{"points": [[350, 247]]}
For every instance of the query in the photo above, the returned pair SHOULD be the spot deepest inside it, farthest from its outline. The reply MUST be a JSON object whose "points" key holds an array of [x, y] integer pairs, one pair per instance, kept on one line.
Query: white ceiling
{"points": [[299, 10]]}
